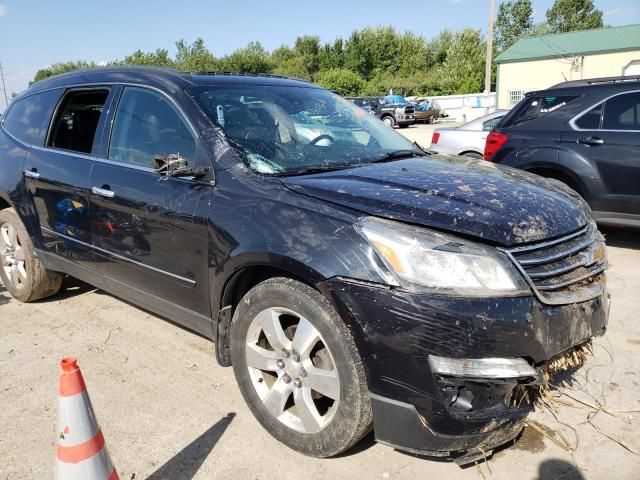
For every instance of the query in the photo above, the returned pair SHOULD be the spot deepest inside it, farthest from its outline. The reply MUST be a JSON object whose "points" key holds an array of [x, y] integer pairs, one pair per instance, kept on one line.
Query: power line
{"points": [[4, 87]]}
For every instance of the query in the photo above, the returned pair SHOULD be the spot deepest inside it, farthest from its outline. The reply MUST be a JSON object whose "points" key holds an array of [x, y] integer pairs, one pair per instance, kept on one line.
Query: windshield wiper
{"points": [[309, 170], [397, 155]]}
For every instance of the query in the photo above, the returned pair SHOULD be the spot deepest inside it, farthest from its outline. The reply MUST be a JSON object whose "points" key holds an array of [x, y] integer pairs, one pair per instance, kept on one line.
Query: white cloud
{"points": [[102, 63], [3, 10]]}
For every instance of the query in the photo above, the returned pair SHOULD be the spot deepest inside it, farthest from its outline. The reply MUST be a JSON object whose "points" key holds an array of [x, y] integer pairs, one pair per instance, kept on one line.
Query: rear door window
{"points": [[147, 125], [540, 105], [76, 121], [28, 120], [591, 119], [622, 112]]}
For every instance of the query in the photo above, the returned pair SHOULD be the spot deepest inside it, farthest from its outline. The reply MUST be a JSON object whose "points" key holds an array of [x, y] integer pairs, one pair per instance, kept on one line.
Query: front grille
{"points": [[569, 269], [409, 110]]}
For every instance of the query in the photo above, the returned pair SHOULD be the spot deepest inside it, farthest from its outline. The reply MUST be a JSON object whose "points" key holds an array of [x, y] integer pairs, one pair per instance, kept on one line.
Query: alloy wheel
{"points": [[12, 256], [292, 370]]}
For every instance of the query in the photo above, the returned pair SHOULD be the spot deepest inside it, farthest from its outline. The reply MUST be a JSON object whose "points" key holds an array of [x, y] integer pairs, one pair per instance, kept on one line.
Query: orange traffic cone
{"points": [[80, 449]]}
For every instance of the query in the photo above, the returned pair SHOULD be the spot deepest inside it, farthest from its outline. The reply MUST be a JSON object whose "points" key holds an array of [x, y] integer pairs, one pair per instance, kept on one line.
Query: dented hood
{"points": [[472, 197]]}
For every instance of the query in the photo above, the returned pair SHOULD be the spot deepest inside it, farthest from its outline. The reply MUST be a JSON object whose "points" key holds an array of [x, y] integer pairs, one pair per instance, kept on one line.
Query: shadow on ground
{"points": [[186, 463], [622, 237], [555, 469], [4, 295]]}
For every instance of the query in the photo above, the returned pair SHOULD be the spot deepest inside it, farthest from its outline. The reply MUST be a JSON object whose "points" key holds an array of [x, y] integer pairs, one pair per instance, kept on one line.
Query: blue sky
{"points": [[34, 34]]}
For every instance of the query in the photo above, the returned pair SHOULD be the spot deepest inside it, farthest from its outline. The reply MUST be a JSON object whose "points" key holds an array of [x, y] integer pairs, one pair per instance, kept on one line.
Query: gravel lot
{"points": [[169, 412]]}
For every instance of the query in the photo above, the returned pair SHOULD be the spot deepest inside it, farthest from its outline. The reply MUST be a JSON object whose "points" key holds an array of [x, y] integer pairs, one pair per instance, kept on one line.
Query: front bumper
{"points": [[396, 331]]}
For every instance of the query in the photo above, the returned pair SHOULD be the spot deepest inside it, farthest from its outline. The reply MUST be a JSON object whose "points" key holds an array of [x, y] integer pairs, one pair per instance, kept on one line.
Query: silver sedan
{"points": [[467, 139]]}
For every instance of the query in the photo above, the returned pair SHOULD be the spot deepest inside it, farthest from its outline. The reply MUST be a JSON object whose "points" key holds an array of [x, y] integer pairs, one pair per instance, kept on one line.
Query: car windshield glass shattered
{"points": [[284, 130]]}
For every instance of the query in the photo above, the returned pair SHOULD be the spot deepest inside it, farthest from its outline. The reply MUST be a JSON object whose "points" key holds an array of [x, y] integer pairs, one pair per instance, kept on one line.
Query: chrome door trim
{"points": [[120, 257]]}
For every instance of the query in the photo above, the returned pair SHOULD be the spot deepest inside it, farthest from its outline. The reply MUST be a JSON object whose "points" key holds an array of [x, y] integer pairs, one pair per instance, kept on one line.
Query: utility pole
{"points": [[487, 70], [4, 87]]}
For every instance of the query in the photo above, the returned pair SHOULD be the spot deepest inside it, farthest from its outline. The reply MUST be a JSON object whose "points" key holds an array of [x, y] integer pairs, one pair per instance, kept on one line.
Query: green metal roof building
{"points": [[535, 63]]}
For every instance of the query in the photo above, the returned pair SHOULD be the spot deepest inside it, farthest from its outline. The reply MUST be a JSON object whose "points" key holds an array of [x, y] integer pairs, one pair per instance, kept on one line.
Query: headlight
{"points": [[424, 259]]}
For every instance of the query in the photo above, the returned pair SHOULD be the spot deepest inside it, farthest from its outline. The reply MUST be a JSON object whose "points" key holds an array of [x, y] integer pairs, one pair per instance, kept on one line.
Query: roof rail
{"points": [[597, 81], [117, 69], [237, 74]]}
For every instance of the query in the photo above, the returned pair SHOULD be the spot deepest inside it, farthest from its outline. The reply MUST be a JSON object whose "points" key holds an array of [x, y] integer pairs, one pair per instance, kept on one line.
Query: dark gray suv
{"points": [[584, 133]]}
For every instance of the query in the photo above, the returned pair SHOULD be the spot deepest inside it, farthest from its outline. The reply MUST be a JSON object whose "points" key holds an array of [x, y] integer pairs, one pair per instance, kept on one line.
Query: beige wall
{"points": [[539, 74]]}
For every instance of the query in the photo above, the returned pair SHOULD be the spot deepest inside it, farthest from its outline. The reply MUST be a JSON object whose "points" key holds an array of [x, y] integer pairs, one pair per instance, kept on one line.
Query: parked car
{"points": [[350, 280], [585, 134], [468, 139], [390, 110], [426, 111]]}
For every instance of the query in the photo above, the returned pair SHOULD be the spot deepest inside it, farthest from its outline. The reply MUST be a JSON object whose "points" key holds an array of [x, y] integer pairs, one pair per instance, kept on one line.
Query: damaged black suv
{"points": [[351, 279]]}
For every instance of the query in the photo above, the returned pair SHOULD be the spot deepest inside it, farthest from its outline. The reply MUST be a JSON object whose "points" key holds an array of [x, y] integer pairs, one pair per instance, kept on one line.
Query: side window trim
{"points": [[573, 121], [104, 153]]}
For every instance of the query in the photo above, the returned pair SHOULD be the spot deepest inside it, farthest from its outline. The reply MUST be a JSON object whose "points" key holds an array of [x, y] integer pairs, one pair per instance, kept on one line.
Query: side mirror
{"points": [[174, 165]]}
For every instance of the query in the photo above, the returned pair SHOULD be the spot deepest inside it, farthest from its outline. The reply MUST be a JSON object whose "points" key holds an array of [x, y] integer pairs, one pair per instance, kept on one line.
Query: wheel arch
{"points": [[4, 202], [245, 276], [558, 173]]}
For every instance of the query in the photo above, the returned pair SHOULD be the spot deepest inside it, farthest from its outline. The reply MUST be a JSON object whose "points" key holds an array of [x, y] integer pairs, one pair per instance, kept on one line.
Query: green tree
{"points": [[195, 57], [465, 62], [572, 15], [159, 58], [514, 20], [62, 67], [252, 59], [307, 47], [341, 80], [439, 47], [413, 54], [331, 55]]}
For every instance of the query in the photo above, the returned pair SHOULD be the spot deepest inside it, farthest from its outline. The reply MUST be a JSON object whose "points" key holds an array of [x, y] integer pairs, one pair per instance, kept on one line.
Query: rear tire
{"points": [[21, 271], [287, 340]]}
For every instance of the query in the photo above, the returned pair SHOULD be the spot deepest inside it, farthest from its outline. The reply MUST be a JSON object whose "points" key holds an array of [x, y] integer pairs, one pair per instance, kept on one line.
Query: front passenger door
{"points": [[608, 135], [151, 230]]}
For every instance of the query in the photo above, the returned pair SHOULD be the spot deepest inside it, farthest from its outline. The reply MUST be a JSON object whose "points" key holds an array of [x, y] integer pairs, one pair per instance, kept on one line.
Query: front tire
{"points": [[389, 121], [298, 368], [21, 271]]}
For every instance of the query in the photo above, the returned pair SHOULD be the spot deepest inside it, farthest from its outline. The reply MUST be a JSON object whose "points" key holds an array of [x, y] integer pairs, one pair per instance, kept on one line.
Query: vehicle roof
{"points": [[164, 78], [592, 85]]}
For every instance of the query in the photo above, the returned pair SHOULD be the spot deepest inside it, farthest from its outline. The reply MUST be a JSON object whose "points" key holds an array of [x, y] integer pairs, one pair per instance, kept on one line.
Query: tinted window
{"points": [[491, 124], [591, 119], [538, 106], [147, 125], [28, 119], [76, 121], [622, 112]]}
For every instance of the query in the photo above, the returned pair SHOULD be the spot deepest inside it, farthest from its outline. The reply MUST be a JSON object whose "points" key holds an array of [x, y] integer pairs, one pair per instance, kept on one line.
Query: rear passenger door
{"points": [[151, 230], [57, 175], [608, 134]]}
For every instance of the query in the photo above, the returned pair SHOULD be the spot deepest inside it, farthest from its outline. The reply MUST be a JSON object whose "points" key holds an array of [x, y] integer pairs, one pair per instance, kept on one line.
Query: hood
{"points": [[471, 197]]}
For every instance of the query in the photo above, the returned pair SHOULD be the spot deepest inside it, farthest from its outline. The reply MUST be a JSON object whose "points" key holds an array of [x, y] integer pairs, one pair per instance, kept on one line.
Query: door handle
{"points": [[591, 141], [33, 173], [103, 192]]}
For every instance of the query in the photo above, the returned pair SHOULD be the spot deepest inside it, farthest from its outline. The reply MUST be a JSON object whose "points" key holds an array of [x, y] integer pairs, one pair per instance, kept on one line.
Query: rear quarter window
{"points": [[29, 117], [534, 107]]}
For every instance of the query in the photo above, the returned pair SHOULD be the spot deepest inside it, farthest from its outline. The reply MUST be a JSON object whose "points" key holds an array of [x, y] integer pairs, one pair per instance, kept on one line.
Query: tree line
{"points": [[372, 61]]}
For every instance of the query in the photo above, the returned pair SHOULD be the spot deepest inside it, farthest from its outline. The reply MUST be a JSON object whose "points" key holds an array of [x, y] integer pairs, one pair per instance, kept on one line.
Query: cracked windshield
{"points": [[296, 130]]}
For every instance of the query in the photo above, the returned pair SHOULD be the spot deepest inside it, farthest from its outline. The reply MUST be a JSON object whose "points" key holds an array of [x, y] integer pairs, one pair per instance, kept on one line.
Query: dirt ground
{"points": [[169, 412]]}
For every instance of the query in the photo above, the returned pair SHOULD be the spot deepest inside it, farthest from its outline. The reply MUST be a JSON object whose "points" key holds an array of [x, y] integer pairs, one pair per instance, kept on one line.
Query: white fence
{"points": [[467, 107]]}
